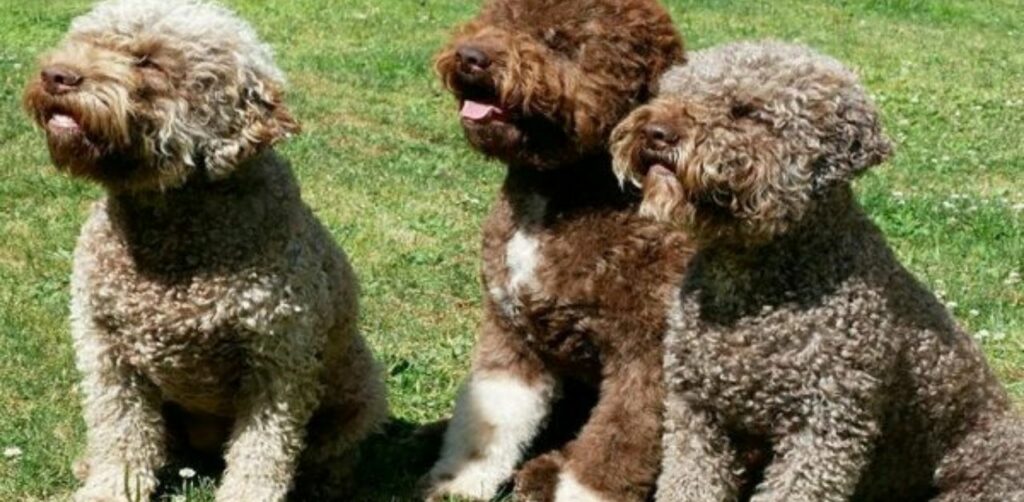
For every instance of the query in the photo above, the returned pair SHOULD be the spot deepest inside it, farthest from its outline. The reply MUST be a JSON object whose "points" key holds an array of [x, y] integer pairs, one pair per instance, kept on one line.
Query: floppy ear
{"points": [[853, 145], [264, 120]]}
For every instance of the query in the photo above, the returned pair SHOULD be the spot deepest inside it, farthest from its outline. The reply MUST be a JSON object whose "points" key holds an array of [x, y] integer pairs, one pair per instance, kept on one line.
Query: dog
{"points": [[202, 283], [796, 323], [577, 286]]}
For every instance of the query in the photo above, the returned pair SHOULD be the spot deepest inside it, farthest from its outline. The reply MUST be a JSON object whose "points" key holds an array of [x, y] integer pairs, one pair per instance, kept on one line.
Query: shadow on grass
{"points": [[391, 463], [389, 468]]}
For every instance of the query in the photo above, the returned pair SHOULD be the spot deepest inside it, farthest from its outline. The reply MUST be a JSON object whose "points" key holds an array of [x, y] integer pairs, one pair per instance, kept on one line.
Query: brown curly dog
{"points": [[202, 284], [577, 286], [796, 323]]}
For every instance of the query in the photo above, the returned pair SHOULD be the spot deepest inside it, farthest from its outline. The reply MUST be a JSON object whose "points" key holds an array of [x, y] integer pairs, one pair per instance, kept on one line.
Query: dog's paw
{"points": [[537, 480], [570, 489], [111, 485], [546, 479], [472, 483], [91, 496]]}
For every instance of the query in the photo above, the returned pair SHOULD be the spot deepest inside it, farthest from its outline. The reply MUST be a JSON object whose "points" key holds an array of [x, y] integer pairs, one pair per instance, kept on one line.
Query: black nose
{"points": [[472, 60], [59, 79], [661, 136]]}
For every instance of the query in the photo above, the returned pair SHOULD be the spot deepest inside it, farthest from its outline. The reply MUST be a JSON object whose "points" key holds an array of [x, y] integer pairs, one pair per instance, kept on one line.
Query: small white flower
{"points": [[974, 312], [952, 305], [179, 498], [12, 452], [187, 473], [1012, 279], [1018, 207], [982, 335], [999, 336], [898, 195]]}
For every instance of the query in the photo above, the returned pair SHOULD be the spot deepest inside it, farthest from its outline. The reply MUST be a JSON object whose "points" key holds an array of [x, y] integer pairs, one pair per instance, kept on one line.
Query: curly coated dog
{"points": [[577, 285], [796, 324], [202, 284]]}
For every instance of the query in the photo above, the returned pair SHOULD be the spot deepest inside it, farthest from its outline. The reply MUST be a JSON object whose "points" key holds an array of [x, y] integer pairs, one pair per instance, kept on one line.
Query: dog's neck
{"points": [[834, 231], [581, 187], [253, 174], [249, 197], [207, 225]]}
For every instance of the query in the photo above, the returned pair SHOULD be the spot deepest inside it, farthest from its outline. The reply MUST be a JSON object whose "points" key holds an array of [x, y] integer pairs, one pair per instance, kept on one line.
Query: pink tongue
{"points": [[478, 111], [59, 121], [660, 170]]}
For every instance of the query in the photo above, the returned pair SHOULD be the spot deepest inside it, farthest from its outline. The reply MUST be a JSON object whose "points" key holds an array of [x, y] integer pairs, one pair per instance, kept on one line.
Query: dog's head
{"points": [[541, 83], [143, 94], [743, 140]]}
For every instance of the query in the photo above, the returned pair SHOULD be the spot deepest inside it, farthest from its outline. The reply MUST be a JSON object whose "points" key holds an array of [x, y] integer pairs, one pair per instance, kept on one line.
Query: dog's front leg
{"points": [[617, 454], [277, 399], [125, 430], [824, 461], [500, 409], [699, 463]]}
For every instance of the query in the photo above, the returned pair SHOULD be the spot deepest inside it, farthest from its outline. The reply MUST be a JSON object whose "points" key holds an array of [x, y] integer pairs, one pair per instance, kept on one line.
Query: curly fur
{"points": [[202, 284], [566, 71], [796, 324], [170, 90], [577, 284]]}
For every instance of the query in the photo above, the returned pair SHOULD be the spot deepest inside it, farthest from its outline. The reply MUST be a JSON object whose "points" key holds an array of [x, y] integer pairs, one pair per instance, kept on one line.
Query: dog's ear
{"points": [[854, 144], [264, 121]]}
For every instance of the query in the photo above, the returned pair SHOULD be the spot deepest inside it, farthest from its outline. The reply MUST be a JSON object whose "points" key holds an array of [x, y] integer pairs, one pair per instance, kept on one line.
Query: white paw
{"points": [[474, 481], [113, 485], [264, 491], [569, 489]]}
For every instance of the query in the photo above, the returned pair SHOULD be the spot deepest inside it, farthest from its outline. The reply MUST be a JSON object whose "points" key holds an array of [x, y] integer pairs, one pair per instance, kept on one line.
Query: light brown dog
{"points": [[201, 281]]}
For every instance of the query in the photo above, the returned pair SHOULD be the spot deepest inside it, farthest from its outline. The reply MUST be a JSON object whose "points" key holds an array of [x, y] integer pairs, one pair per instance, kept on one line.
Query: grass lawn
{"points": [[384, 165]]}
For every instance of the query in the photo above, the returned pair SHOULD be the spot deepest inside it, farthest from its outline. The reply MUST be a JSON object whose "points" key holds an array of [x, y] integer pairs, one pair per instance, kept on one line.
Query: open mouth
{"points": [[655, 162], [62, 123], [477, 105]]}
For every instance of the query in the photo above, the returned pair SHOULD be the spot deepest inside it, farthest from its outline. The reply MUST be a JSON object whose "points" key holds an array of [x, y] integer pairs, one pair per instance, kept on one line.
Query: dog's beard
{"points": [[70, 148], [663, 196], [88, 135]]}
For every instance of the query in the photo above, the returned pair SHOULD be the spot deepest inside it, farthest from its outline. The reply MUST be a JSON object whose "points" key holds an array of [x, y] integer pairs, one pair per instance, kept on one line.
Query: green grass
{"points": [[384, 165]]}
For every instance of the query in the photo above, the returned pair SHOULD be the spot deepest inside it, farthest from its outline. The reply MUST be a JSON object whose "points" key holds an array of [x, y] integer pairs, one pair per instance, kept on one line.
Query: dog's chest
{"points": [[189, 333], [761, 368], [517, 286], [182, 339], [576, 286]]}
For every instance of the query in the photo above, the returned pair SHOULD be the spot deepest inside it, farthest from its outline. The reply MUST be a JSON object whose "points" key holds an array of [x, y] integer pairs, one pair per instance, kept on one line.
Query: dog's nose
{"points": [[661, 136], [59, 79], [472, 60]]}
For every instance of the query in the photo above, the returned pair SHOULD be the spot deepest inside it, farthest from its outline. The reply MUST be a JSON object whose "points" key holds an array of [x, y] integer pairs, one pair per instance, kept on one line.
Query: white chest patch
{"points": [[522, 255]]}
